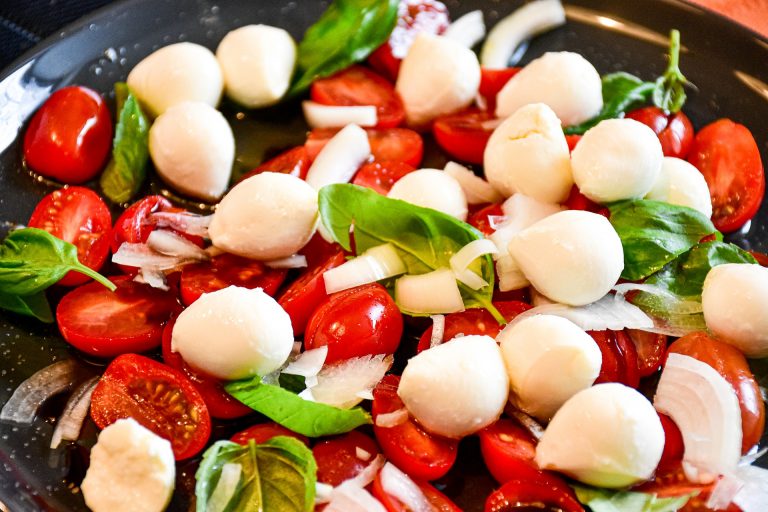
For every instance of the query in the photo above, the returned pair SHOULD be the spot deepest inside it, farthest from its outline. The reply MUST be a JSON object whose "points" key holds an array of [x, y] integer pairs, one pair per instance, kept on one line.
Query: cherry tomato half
{"points": [[392, 144], [548, 493], [70, 136], [619, 358], [463, 135], [508, 451], [671, 483], [263, 432], [481, 219], [439, 501], [381, 176], [79, 216], [294, 162], [578, 201], [727, 155], [675, 131], [338, 460], [673, 444], [158, 397], [492, 81], [650, 348]]}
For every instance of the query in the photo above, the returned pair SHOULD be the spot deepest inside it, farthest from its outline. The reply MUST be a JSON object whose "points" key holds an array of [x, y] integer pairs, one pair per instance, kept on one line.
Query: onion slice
{"points": [[30, 395], [430, 293], [375, 264], [392, 419], [71, 420], [295, 261], [438, 330], [753, 495], [398, 485], [467, 30], [141, 255], [346, 383], [225, 488], [171, 244], [308, 363], [183, 222], [461, 261], [348, 497], [334, 116], [477, 190], [340, 158]]}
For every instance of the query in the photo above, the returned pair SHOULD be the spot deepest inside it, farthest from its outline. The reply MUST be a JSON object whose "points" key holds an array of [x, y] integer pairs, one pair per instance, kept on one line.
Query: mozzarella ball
{"points": [[528, 154], [193, 148], [608, 435], [432, 188], [734, 299], [257, 62], [234, 333], [681, 183], [176, 73], [573, 257], [549, 359], [617, 159], [565, 81], [438, 76], [268, 216], [456, 388]]}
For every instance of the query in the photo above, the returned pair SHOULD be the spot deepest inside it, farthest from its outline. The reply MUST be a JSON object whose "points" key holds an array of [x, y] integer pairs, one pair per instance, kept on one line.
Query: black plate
{"points": [[726, 62]]}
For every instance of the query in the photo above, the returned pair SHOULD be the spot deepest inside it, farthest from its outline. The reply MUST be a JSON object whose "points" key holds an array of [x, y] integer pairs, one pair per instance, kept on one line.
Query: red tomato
{"points": [[70, 137], [508, 451], [733, 366], [355, 322], [135, 223], [220, 403], [295, 162], [650, 348], [462, 135], [105, 324], [492, 81], [337, 458], [380, 176], [228, 270], [357, 86], [79, 216], [673, 444], [158, 397], [675, 131], [481, 219], [307, 292], [418, 453], [727, 155], [578, 201], [620, 362], [318, 250], [439, 501], [263, 432], [546, 493], [672, 483], [393, 144], [761, 258], [572, 140]]}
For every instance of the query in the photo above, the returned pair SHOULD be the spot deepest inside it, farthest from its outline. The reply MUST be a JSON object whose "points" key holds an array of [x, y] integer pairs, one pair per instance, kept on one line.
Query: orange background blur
{"points": [[752, 13]]}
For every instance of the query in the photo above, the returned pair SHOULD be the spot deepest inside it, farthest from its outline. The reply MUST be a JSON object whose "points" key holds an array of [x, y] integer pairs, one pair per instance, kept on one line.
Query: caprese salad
{"points": [[569, 301]]}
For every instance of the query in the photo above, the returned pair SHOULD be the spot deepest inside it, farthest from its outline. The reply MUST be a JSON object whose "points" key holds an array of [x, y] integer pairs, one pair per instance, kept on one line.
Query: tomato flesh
{"points": [[337, 458], [508, 451], [578, 201], [387, 145], [620, 362], [481, 219], [464, 135], [295, 162], [547, 494], [675, 131], [263, 432], [439, 501], [673, 444], [381, 176], [492, 81], [650, 348]]}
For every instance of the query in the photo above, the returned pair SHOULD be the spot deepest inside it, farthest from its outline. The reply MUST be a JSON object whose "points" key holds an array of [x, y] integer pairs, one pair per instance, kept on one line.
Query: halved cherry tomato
{"points": [[79, 216], [355, 322], [481, 219], [572, 141], [492, 81], [675, 131], [295, 162], [761, 258], [392, 144], [673, 444], [135, 224], [227, 270], [105, 324], [418, 453], [671, 483], [357, 86], [548, 494], [337, 458], [158, 397], [263, 432], [650, 348], [220, 403], [733, 366], [439, 501], [380, 176], [70, 136], [578, 201], [508, 451], [462, 135], [619, 358], [727, 155], [318, 250]]}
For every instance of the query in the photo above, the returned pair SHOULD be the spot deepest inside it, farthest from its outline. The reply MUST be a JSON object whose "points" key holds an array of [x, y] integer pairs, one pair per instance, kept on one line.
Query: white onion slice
{"points": [[530, 424], [438, 330], [375, 264], [392, 419], [705, 408], [295, 261], [348, 497], [491, 124], [172, 244], [183, 222], [340, 158], [346, 383], [362, 454], [308, 363], [154, 277], [467, 30], [71, 420], [225, 488], [368, 473], [470, 279], [470, 252], [753, 495], [140, 255], [430, 293], [334, 116], [30, 395], [322, 493], [496, 220], [670, 301], [527, 21], [477, 190], [398, 485], [724, 491]]}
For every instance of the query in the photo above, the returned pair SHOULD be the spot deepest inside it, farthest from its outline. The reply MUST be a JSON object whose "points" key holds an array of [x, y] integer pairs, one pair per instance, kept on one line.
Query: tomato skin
{"points": [[492, 81], [263, 432], [650, 348], [79, 216], [572, 141], [355, 322], [578, 201], [391, 144], [295, 162], [462, 135], [416, 452], [761, 258], [337, 458], [675, 131], [733, 366], [508, 451], [481, 218], [70, 136], [131, 318], [727, 155], [620, 362], [671, 482], [673, 444], [547, 493], [381, 176], [439, 501]]}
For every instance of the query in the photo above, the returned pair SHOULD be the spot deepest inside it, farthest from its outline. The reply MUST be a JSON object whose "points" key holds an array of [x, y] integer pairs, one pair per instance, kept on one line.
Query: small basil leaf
{"points": [[293, 383], [35, 305], [608, 500], [669, 90]]}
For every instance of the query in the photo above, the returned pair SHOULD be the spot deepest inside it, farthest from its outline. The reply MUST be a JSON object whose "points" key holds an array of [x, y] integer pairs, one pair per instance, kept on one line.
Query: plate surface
{"points": [[726, 62]]}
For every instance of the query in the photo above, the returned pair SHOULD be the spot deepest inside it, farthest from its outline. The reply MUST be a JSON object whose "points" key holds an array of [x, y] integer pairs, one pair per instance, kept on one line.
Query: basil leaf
{"points": [[126, 171], [653, 233], [669, 90], [311, 419], [31, 260], [35, 305], [606, 500], [347, 32], [293, 383], [425, 239], [277, 475], [621, 92]]}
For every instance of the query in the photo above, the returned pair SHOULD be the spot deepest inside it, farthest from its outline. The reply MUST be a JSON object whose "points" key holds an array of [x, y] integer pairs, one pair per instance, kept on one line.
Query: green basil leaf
{"points": [[31, 260], [347, 32], [311, 419], [35, 305], [607, 500], [669, 90], [425, 239], [293, 383], [653, 233], [277, 475], [126, 171]]}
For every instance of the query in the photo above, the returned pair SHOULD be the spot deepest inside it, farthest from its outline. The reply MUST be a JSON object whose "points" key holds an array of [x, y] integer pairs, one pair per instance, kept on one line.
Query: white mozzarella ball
{"points": [[456, 388], [549, 359], [268, 216], [257, 62], [432, 188], [573, 257], [234, 333], [617, 159], [176, 73], [681, 183], [608, 435], [132, 469], [565, 81], [193, 148], [734, 299], [438, 76], [527, 153]]}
